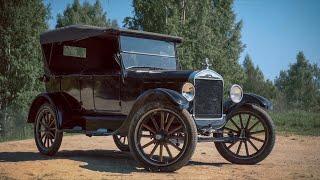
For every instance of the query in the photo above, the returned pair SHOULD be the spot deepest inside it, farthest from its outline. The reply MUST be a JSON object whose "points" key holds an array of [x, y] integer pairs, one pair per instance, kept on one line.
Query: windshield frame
{"points": [[147, 54]]}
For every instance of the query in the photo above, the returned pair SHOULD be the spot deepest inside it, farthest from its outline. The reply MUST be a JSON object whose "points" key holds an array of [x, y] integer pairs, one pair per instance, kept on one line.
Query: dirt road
{"points": [[81, 157]]}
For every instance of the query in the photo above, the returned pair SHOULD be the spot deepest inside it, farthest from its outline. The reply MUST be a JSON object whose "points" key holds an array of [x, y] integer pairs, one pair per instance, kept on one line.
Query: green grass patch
{"points": [[297, 122], [17, 133]]}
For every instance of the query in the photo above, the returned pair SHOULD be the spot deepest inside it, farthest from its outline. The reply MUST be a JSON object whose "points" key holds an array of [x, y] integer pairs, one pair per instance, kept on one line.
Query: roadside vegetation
{"points": [[297, 122], [209, 29]]}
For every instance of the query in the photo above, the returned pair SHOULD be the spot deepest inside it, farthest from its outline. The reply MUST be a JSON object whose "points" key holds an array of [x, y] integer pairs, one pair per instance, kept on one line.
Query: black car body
{"points": [[97, 79]]}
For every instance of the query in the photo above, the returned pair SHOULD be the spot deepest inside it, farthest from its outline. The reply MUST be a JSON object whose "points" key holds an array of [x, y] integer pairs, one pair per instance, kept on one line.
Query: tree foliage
{"points": [[255, 81], [86, 13], [209, 29], [300, 84], [21, 23]]}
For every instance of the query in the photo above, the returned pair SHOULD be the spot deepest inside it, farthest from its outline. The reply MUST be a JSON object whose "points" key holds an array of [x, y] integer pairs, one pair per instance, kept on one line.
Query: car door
{"points": [[71, 86], [86, 92], [107, 92]]}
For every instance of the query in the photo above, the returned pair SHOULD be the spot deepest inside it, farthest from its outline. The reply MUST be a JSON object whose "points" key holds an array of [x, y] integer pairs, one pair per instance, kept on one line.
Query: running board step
{"points": [[219, 139], [98, 132]]}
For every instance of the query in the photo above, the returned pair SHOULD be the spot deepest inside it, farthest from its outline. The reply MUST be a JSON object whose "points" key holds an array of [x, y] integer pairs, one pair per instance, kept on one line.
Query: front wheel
{"points": [[254, 134], [162, 137]]}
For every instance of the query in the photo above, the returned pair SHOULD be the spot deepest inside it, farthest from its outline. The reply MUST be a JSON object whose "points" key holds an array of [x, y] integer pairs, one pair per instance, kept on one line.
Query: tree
{"points": [[255, 81], [300, 84], [21, 23], [254, 77], [209, 29], [85, 14]]}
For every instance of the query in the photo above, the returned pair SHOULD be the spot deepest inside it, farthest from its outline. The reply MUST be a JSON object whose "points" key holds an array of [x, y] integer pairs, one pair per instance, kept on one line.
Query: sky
{"points": [[274, 31]]}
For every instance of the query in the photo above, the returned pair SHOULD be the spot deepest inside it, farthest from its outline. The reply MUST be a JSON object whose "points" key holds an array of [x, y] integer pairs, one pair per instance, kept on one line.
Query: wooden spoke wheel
{"points": [[47, 136], [253, 130], [163, 139], [121, 142]]}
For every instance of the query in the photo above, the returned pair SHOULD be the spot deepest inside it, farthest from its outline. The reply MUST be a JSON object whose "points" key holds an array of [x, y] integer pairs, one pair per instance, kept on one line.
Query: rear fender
{"points": [[57, 100]]}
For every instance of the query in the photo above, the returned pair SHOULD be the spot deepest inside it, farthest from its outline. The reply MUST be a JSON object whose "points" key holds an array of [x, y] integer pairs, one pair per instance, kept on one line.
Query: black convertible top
{"points": [[77, 32]]}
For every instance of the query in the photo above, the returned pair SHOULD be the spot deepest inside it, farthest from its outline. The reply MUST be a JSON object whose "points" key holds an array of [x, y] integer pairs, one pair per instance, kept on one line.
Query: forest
{"points": [[209, 29]]}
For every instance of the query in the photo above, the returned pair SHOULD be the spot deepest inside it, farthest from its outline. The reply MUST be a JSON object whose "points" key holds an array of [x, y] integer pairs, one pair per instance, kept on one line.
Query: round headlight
{"points": [[236, 93], [188, 91]]}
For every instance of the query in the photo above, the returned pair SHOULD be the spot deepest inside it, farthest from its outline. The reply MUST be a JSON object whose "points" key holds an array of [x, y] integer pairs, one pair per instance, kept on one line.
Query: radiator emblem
{"points": [[207, 63]]}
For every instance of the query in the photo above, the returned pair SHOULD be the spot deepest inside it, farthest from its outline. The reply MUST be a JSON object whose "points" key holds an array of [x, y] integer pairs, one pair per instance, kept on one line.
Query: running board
{"points": [[98, 132], [218, 139]]}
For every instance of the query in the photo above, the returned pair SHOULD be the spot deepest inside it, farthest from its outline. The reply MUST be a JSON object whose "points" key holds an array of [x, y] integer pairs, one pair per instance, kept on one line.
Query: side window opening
{"points": [[74, 51], [95, 55]]}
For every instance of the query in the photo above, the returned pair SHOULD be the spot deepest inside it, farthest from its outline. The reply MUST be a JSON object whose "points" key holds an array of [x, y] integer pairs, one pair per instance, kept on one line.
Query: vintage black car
{"points": [[128, 84]]}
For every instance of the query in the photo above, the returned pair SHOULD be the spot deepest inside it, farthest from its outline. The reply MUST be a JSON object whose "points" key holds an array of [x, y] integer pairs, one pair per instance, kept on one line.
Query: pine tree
{"points": [[299, 84], [250, 71], [85, 14], [255, 81]]}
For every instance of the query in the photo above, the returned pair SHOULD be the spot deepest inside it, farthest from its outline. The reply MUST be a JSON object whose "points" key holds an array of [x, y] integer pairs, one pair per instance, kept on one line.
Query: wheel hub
{"points": [[158, 137], [243, 134]]}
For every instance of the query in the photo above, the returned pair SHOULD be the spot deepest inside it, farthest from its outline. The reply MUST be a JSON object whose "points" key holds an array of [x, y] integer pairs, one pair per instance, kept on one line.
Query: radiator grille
{"points": [[208, 98]]}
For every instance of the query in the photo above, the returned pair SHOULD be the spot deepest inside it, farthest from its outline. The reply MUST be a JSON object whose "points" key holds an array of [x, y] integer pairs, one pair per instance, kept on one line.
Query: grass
{"points": [[297, 122], [18, 133]]}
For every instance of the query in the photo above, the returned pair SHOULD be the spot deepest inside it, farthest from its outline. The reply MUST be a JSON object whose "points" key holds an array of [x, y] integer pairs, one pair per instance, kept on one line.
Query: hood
{"points": [[153, 76], [151, 79], [169, 79]]}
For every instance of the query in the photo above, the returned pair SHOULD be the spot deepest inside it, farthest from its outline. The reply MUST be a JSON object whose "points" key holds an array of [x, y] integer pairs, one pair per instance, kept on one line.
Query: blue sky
{"points": [[273, 31]]}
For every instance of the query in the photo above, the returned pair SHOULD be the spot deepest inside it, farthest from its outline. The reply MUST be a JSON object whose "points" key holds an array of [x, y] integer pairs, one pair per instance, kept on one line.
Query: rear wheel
{"points": [[121, 142], [47, 136], [162, 137], [254, 130]]}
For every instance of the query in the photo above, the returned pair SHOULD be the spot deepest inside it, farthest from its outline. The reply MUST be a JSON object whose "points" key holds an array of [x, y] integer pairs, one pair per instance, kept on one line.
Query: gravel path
{"points": [[81, 157]]}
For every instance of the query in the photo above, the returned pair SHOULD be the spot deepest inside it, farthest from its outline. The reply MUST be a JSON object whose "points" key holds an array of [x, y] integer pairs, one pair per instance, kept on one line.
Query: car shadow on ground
{"points": [[94, 160], [215, 164], [103, 160]]}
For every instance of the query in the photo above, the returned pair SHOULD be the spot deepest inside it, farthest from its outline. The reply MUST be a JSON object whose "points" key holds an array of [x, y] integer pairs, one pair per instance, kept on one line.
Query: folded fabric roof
{"points": [[77, 32]]}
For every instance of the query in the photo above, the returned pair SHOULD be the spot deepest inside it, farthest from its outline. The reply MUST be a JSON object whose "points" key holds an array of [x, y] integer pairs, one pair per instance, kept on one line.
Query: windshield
{"points": [[147, 53]]}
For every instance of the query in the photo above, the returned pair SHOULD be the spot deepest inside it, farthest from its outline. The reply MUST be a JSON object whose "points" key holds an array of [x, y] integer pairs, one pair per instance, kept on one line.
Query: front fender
{"points": [[248, 98], [158, 94], [174, 97], [161, 94]]}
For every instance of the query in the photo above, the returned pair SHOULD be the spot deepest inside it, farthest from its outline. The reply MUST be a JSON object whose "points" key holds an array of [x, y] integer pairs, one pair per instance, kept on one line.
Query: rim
{"points": [[161, 137], [46, 128], [122, 140], [251, 133]]}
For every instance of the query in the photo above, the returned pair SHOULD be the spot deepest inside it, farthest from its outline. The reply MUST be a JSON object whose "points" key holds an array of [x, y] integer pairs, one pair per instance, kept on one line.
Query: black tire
{"points": [[167, 127], [121, 142], [260, 147], [47, 136]]}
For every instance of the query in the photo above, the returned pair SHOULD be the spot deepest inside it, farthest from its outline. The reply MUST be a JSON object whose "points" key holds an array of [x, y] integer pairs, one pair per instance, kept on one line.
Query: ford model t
{"points": [[128, 84]]}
